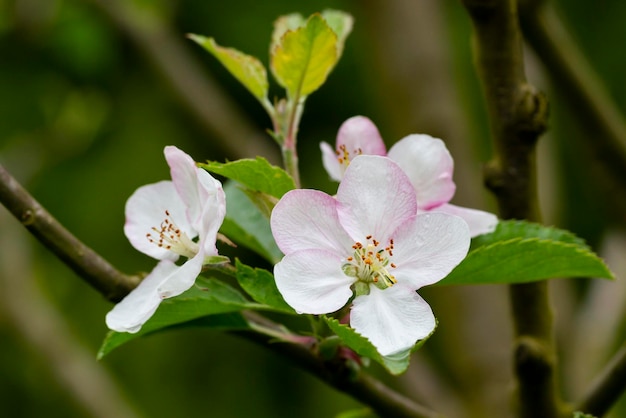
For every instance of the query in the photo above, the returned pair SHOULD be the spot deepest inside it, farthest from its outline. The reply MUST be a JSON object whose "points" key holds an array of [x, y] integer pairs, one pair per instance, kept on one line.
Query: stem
{"points": [[607, 387], [85, 262], [290, 153], [518, 116]]}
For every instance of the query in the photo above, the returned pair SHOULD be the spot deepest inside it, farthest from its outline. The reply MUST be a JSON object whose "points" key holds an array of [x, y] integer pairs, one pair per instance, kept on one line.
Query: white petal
{"points": [[479, 222], [145, 210], [137, 307], [429, 165], [428, 247], [307, 219], [375, 196], [182, 278], [360, 136], [185, 178], [213, 202], [393, 319], [312, 281], [330, 162]]}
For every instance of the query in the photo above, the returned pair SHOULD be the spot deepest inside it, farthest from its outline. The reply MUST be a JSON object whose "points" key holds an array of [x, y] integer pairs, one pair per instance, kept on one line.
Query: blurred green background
{"points": [[92, 90]]}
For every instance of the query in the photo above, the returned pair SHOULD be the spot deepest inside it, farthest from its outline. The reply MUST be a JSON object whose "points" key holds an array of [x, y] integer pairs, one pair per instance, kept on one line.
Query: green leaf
{"points": [[357, 413], [507, 230], [261, 286], [523, 260], [395, 364], [283, 24], [579, 414], [206, 297], [247, 226], [257, 175], [245, 68], [304, 57], [341, 23]]}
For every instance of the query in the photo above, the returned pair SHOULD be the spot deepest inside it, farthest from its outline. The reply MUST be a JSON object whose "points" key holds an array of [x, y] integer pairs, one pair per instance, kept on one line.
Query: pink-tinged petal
{"points": [[185, 177], [428, 247], [146, 210], [429, 165], [393, 319], [312, 281], [182, 278], [213, 210], [307, 219], [479, 222], [360, 136], [375, 196], [330, 162], [138, 306]]}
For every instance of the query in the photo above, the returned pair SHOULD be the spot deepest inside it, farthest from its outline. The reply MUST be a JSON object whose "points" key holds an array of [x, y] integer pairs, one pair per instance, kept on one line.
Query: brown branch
{"points": [[518, 116], [95, 270]]}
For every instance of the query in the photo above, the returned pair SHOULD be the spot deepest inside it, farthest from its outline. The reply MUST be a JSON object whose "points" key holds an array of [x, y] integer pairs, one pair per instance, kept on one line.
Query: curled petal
{"points": [[330, 162], [479, 222], [185, 178], [359, 135], [429, 165], [181, 279], [393, 319], [307, 219], [146, 210], [213, 210], [428, 247], [138, 306], [375, 196], [312, 281]]}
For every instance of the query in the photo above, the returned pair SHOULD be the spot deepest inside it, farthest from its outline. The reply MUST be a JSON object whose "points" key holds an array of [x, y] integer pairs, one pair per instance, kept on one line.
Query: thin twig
{"points": [[95, 270], [518, 117], [607, 387], [574, 77]]}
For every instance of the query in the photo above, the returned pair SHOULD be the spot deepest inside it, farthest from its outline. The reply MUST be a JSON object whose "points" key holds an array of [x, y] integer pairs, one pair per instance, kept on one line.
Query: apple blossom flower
{"points": [[163, 221], [369, 243], [425, 159]]}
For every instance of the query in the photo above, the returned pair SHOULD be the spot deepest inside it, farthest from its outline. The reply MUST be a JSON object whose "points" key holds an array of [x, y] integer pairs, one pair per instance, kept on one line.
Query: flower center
{"points": [[344, 156], [170, 237], [370, 264]]}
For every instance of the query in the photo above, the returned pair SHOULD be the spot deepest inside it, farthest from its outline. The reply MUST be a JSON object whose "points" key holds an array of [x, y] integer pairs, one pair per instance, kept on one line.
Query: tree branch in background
{"points": [[607, 387], [518, 116], [114, 285], [228, 128], [585, 94], [85, 262]]}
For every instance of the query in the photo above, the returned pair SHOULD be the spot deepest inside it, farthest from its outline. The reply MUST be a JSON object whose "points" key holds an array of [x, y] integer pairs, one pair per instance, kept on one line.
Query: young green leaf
{"points": [[304, 57], [284, 23], [341, 23], [247, 226], [206, 297], [395, 364], [520, 260], [245, 68], [512, 229], [260, 285], [257, 175]]}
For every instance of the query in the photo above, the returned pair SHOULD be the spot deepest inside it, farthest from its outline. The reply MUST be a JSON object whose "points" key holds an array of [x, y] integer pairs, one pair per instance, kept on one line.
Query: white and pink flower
{"points": [[425, 160], [368, 243], [167, 220]]}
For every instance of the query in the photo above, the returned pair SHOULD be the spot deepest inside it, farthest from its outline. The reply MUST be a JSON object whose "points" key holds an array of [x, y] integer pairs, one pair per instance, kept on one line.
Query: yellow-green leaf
{"points": [[247, 69], [304, 57]]}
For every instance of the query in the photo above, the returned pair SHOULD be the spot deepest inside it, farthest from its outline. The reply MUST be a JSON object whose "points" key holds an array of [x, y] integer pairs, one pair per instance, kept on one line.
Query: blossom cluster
{"points": [[388, 231]]}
